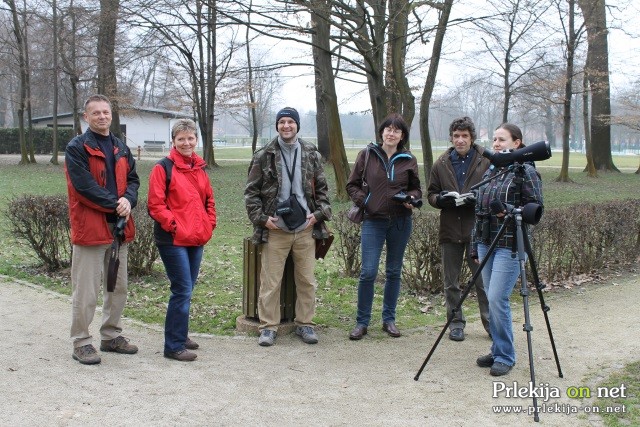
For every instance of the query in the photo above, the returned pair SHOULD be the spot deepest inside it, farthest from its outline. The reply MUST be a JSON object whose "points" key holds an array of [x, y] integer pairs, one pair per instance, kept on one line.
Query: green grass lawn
{"points": [[217, 300]]}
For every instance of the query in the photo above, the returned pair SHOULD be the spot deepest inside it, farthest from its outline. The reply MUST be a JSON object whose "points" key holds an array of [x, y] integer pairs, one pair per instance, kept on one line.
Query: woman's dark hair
{"points": [[463, 123], [514, 130], [395, 120]]}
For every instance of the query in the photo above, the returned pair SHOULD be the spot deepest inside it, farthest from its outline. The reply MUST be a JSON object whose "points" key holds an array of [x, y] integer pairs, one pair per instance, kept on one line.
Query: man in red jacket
{"points": [[102, 184]]}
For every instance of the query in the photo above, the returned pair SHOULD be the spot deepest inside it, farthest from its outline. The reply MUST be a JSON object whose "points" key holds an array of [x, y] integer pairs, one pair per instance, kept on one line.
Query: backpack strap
{"points": [[167, 165]]}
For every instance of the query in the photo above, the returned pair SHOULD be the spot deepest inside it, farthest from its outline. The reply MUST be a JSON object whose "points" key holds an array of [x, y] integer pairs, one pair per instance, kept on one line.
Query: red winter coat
{"points": [[185, 213], [89, 200]]}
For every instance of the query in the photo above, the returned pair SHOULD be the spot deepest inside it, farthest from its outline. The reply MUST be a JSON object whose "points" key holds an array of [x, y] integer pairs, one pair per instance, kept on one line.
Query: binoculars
{"points": [[403, 197]]}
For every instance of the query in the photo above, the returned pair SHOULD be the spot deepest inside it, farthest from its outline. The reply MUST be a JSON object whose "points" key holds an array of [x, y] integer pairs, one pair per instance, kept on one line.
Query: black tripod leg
{"points": [[524, 291], [470, 284], [544, 306]]}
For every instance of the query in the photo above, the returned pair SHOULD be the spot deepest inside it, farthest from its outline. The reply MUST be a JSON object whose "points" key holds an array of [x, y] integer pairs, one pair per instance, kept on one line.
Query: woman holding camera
{"points": [[389, 189], [518, 187], [181, 202]]}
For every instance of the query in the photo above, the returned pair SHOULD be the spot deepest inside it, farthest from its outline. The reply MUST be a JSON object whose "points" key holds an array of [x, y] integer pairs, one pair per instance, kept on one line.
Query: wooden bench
{"points": [[155, 146]]}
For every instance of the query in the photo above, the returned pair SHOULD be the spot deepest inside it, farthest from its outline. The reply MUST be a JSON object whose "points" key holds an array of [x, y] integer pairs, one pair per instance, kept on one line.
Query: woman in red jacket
{"points": [[181, 202]]}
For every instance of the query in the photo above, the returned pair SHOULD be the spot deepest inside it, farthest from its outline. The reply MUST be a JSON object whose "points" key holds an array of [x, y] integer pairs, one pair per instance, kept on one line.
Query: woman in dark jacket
{"points": [[519, 187], [184, 211], [390, 170]]}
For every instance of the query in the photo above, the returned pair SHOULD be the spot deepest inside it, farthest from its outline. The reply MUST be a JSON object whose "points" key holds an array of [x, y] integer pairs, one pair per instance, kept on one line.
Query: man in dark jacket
{"points": [[285, 195], [103, 188], [457, 170]]}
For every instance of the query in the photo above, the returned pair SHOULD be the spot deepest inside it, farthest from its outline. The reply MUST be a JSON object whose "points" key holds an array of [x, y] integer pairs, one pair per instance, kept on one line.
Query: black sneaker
{"points": [[485, 361], [498, 369], [86, 354]]}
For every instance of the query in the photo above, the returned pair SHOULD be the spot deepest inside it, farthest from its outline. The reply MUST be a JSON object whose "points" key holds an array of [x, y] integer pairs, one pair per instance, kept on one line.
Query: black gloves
{"points": [[445, 202]]}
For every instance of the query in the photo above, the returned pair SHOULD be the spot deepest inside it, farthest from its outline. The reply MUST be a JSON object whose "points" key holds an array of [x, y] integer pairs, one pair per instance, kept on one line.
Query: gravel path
{"points": [[334, 383]]}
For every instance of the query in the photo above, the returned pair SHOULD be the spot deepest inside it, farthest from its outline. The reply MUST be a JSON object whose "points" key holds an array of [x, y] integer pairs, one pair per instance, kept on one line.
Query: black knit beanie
{"points": [[288, 112]]}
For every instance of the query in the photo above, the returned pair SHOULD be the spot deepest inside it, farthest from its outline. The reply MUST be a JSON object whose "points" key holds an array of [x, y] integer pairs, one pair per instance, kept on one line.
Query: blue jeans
{"points": [[499, 276], [375, 233], [182, 264]]}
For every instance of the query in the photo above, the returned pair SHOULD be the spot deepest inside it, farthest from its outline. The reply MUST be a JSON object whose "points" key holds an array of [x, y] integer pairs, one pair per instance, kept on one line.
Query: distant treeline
{"points": [[42, 140]]}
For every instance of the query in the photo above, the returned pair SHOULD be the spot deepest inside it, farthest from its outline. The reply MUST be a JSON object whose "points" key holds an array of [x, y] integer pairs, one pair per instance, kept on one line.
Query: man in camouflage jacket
{"points": [[287, 167]]}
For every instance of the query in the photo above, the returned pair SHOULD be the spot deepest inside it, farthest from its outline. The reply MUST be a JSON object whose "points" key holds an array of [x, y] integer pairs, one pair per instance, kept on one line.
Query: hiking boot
{"points": [[485, 361], [190, 344], [498, 369], [456, 334], [307, 334], [267, 338], [86, 354], [182, 355], [119, 344]]}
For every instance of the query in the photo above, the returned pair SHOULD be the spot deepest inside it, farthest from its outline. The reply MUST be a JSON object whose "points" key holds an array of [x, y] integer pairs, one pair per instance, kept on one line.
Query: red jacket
{"points": [[185, 213], [89, 200]]}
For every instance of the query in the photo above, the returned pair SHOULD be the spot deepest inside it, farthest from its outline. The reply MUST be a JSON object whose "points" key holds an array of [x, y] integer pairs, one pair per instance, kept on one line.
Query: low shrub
{"points": [[43, 222], [143, 251], [348, 247], [569, 241]]}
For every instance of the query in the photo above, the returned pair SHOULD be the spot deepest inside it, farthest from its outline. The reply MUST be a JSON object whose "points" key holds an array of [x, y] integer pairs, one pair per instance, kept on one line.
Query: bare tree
{"points": [[18, 32], [509, 39], [597, 66], [427, 93], [192, 39], [107, 83], [54, 25], [572, 38], [328, 115]]}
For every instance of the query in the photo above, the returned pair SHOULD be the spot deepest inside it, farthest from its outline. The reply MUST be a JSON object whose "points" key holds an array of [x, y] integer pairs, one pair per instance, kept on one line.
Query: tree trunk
{"points": [[107, 81], [17, 31], [209, 80], [568, 93], [399, 16], [425, 138], [27, 76], [54, 154], [328, 117], [594, 12], [252, 96], [590, 168]]}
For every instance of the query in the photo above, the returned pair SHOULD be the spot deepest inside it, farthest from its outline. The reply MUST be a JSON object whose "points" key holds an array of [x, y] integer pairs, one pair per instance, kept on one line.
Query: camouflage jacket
{"points": [[264, 181]]}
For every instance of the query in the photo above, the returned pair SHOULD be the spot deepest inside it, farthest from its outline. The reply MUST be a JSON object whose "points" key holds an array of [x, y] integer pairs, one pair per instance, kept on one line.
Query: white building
{"points": [[148, 128]]}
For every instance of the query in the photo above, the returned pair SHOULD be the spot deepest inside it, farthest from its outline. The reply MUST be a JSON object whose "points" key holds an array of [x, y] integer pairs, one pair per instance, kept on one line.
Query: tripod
{"points": [[524, 249]]}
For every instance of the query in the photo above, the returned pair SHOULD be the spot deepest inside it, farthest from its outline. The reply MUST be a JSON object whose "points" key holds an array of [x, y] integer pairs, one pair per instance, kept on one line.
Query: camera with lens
{"points": [[403, 197]]}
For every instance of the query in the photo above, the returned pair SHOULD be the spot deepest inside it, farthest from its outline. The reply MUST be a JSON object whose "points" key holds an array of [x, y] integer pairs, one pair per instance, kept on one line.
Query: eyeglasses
{"points": [[393, 130]]}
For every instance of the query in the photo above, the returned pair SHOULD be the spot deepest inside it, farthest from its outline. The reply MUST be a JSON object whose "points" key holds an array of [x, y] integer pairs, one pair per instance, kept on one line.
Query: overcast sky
{"points": [[297, 89]]}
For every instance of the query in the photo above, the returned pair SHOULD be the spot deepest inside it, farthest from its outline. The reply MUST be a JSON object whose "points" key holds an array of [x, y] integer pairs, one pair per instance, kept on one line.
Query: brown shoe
{"points": [[190, 344], [119, 344], [182, 356], [86, 354], [358, 332], [390, 328]]}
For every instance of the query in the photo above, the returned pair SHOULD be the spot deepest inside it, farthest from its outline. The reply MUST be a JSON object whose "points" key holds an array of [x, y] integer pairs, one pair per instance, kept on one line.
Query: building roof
{"points": [[126, 111]]}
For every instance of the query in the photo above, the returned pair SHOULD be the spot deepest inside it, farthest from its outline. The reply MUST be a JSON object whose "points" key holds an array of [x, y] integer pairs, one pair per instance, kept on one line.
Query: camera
{"points": [[283, 210], [403, 197], [118, 230]]}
